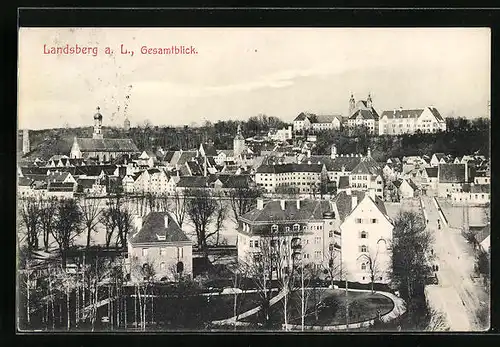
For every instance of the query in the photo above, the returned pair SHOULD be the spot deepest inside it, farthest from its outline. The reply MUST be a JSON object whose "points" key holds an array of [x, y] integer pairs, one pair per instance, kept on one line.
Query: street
{"points": [[460, 296]]}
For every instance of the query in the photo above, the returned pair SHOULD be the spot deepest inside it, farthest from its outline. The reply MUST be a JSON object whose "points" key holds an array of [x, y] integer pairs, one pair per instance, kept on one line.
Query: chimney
{"points": [[260, 204], [309, 162], [298, 204], [309, 153], [166, 221], [354, 202], [400, 108], [282, 203], [369, 152], [348, 191]]}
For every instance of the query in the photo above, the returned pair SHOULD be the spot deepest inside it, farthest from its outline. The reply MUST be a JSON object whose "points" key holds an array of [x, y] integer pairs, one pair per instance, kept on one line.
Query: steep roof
{"points": [[60, 187], [153, 225], [57, 177], [195, 168], [412, 184], [86, 182], [343, 201], [272, 212], [367, 166], [402, 113], [365, 114], [209, 149], [24, 182], [302, 116], [327, 118], [436, 114], [106, 145], [451, 173]]}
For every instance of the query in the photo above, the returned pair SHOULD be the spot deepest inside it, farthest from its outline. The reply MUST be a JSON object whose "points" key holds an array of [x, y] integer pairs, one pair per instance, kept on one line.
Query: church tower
{"points": [[352, 104], [97, 125], [238, 142], [26, 141], [369, 101]]}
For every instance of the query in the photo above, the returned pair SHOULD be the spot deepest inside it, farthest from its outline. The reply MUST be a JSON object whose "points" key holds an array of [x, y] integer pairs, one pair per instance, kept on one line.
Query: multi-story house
{"points": [[438, 158], [308, 230], [478, 194], [302, 122], [305, 178], [151, 181], [430, 177], [362, 113], [367, 175], [327, 122], [160, 243], [281, 134], [343, 234], [451, 178], [366, 236], [405, 121]]}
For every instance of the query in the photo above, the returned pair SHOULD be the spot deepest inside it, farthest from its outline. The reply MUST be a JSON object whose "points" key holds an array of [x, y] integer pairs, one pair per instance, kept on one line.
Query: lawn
{"points": [[331, 308]]}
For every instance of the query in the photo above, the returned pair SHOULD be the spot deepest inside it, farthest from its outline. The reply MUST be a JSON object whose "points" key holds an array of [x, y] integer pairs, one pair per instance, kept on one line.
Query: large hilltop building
{"points": [[404, 121], [98, 147], [362, 113]]}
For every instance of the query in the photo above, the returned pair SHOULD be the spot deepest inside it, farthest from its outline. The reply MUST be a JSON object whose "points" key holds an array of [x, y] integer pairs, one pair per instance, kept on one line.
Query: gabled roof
{"points": [[335, 164], [343, 201], [412, 184], [209, 149], [480, 189], [367, 166], [327, 118], [57, 177], [227, 152], [365, 114], [440, 156], [451, 173], [436, 114], [60, 187], [397, 183], [272, 212], [153, 225], [86, 182], [302, 116], [106, 145]]}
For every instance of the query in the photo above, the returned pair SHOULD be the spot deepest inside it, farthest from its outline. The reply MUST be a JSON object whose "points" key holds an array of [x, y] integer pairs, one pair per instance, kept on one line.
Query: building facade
{"points": [[409, 121]]}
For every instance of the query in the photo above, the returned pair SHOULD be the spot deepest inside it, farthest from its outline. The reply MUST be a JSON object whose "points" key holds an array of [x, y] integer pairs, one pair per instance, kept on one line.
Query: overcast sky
{"points": [[241, 72]]}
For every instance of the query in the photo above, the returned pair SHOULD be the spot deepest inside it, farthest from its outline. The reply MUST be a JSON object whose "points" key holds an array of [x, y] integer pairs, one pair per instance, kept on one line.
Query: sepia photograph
{"points": [[253, 179]]}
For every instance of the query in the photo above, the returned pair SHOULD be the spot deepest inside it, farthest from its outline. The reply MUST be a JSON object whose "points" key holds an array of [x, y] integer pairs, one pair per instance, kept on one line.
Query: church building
{"points": [[362, 113], [99, 148]]}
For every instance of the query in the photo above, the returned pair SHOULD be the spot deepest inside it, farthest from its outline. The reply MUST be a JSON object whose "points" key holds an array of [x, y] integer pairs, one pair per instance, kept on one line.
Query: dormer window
{"points": [[274, 228], [296, 227], [161, 237]]}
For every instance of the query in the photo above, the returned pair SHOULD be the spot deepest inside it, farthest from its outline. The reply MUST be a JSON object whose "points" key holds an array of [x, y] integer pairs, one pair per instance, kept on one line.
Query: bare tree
{"points": [[201, 209], [242, 200], [30, 213], [143, 276], [163, 202], [372, 264], [67, 226], [109, 220], [124, 225], [91, 209], [47, 219], [332, 263], [99, 270], [179, 206]]}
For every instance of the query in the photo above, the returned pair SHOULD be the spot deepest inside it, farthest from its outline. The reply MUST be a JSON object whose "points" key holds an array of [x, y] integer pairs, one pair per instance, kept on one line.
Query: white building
{"points": [[366, 237], [281, 134], [362, 113], [403, 121], [150, 181]]}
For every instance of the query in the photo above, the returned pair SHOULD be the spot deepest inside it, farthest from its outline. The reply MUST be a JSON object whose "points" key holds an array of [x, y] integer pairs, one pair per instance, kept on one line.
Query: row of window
{"points": [[163, 251]]}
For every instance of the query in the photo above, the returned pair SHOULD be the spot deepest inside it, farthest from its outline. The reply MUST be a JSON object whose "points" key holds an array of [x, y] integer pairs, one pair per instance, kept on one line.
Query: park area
{"points": [[327, 307]]}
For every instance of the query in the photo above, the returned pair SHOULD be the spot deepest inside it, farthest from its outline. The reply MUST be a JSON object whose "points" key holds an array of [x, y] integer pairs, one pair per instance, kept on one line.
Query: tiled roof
{"points": [[272, 212], [412, 184], [94, 170], [106, 145], [402, 113], [86, 182], [480, 189], [397, 183], [210, 150], [367, 166], [324, 118], [365, 114], [153, 225], [227, 152], [343, 201], [432, 171], [440, 156], [290, 167], [57, 177], [302, 116], [451, 173], [195, 168]]}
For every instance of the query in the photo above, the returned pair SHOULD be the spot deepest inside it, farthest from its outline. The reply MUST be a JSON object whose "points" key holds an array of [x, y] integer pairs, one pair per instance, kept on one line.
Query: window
{"points": [[162, 266], [364, 235], [363, 249], [317, 240], [180, 252], [358, 221], [163, 251], [363, 267], [374, 221], [251, 244], [317, 254], [256, 243], [330, 234], [144, 252], [274, 228], [296, 227], [306, 255]]}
